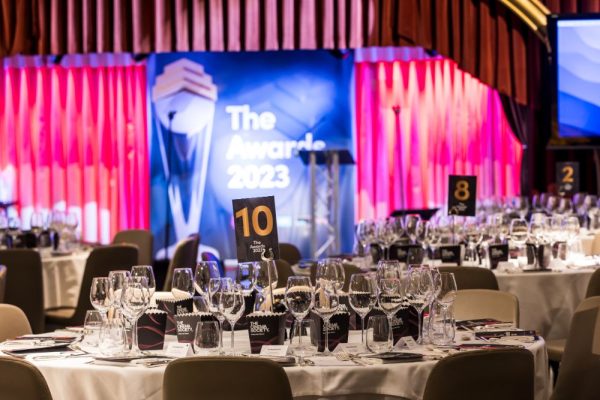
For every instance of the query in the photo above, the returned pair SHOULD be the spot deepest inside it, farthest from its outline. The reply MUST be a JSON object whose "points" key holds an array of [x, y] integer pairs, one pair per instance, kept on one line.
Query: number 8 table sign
{"points": [[462, 194]]}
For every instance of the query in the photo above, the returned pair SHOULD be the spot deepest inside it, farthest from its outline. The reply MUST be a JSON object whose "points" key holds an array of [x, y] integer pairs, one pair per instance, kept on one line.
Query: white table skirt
{"points": [[547, 300], [62, 276], [73, 379]]}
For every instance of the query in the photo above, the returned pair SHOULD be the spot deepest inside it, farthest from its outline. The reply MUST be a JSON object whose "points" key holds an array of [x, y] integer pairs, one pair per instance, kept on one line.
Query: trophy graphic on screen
{"points": [[184, 100]]}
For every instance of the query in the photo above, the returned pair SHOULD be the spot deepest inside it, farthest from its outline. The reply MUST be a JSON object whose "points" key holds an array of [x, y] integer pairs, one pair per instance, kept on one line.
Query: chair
{"points": [[593, 288], [143, 239], [14, 322], [472, 277], [21, 380], [100, 262], [484, 303], [3, 272], [255, 379], [289, 253], [498, 374], [580, 366], [284, 271], [208, 256], [26, 289], [186, 253]]}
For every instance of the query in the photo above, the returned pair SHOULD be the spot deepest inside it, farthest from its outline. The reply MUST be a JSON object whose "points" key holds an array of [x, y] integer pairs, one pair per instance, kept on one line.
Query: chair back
{"points": [[255, 379], [284, 271], [483, 303], [26, 288], [142, 238], [472, 277], [3, 272], [14, 322], [100, 262], [498, 374], [21, 380], [185, 256], [580, 364], [289, 253], [593, 288]]}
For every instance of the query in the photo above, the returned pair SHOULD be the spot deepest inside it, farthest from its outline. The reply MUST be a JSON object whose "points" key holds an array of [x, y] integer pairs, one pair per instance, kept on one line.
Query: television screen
{"points": [[576, 51]]}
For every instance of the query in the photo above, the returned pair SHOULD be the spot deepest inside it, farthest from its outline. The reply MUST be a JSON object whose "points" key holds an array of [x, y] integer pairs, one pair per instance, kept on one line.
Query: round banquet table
{"points": [[547, 300], [62, 276], [75, 378]]}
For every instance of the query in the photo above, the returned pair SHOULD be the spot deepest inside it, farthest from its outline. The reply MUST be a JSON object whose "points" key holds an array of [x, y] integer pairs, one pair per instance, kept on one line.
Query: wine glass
{"points": [[386, 232], [100, 295], [365, 233], [391, 299], [299, 298], [71, 223], [519, 230], [36, 224], [419, 292], [447, 289], [245, 277], [216, 286], [183, 283], [135, 298], [331, 270], [205, 271], [412, 226], [14, 228], [473, 232], [326, 304], [388, 269], [362, 297], [147, 272], [118, 279], [231, 302]]}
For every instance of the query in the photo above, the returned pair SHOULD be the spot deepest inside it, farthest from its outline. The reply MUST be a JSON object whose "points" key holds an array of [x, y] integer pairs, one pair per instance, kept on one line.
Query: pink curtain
{"points": [[75, 138], [420, 121]]}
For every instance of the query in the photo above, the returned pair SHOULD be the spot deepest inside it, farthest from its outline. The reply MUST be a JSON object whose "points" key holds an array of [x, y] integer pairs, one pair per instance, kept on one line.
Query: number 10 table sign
{"points": [[255, 228]]}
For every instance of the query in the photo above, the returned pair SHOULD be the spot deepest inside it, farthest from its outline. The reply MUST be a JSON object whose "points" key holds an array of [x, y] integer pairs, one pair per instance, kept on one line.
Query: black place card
{"points": [[450, 254], [497, 253], [173, 308], [462, 195], [407, 253], [255, 228], [151, 328], [265, 329], [186, 325], [404, 323], [567, 177], [338, 327]]}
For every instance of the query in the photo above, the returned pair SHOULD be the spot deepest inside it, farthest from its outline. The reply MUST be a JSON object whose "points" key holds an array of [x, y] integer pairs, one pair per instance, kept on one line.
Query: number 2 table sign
{"points": [[462, 193], [255, 228], [567, 177]]}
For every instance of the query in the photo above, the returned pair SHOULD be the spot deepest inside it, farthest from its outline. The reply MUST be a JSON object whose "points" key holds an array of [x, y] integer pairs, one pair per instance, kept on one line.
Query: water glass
{"points": [[91, 329], [441, 324], [207, 337], [113, 339], [378, 332]]}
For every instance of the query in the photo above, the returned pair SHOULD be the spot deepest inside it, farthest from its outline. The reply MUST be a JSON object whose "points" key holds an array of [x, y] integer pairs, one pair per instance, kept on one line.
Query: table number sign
{"points": [[497, 253], [451, 254], [462, 192], [255, 228], [567, 177]]}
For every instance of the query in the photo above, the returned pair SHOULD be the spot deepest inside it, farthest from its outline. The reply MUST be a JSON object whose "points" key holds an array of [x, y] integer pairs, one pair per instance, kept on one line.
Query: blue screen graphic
{"points": [[578, 63], [238, 120]]}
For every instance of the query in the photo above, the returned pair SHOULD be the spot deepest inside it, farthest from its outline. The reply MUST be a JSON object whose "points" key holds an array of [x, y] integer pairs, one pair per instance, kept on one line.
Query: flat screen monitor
{"points": [[575, 42]]}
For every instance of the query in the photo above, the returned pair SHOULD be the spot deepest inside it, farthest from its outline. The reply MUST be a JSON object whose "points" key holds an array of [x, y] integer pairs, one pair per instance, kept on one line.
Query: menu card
{"points": [[173, 308], [338, 329], [151, 328], [404, 323], [265, 328], [186, 325]]}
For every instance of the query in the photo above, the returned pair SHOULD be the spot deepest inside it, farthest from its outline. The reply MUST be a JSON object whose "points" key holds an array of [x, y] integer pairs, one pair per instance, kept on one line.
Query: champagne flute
{"points": [[147, 272], [205, 271], [100, 295], [135, 298], [331, 270], [362, 297], [391, 300], [419, 291], [299, 298], [326, 304], [183, 283]]}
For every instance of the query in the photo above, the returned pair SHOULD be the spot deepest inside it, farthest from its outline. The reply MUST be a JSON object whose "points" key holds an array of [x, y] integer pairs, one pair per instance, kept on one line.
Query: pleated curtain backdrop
{"points": [[75, 138], [418, 122]]}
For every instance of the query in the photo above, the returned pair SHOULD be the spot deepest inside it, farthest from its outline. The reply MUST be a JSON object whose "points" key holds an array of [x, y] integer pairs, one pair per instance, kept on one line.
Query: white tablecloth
{"points": [[73, 379], [62, 276], [547, 300]]}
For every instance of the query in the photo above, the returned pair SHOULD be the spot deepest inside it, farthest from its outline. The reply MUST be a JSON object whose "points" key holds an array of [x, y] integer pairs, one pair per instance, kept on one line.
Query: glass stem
{"points": [[420, 327], [220, 337], [391, 333], [326, 326], [362, 326], [232, 336], [134, 337]]}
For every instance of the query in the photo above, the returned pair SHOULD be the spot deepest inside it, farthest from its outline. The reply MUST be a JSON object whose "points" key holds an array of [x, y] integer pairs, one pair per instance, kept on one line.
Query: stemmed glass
{"points": [[521, 206], [299, 298], [147, 272], [36, 224], [387, 235], [519, 231], [57, 224], [231, 302], [14, 229], [413, 226], [262, 271], [216, 288], [183, 283], [571, 229], [326, 304], [100, 295], [388, 269], [135, 298], [362, 297], [473, 232], [431, 238], [419, 291], [3, 229], [391, 299], [118, 280], [71, 223], [365, 233], [446, 293], [331, 270], [205, 271], [245, 277]]}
